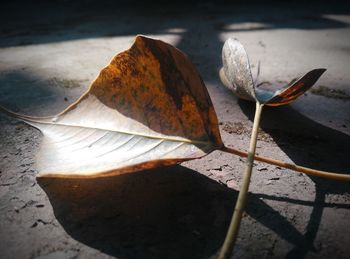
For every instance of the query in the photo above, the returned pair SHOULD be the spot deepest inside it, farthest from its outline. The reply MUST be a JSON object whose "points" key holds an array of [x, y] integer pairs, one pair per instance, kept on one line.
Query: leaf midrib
{"points": [[190, 141]]}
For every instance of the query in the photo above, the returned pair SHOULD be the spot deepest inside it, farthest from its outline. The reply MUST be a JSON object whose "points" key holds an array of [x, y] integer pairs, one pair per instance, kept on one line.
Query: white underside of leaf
{"points": [[93, 138], [84, 151]]}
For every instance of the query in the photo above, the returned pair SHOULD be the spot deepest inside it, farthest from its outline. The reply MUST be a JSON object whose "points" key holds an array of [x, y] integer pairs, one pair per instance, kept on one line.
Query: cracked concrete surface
{"points": [[49, 52]]}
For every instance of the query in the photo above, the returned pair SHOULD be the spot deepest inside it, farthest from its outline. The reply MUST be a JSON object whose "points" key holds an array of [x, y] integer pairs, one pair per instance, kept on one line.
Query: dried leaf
{"points": [[149, 107], [237, 76]]}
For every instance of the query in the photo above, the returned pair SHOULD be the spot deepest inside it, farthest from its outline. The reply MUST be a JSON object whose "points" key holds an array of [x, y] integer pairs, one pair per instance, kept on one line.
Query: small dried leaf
{"points": [[236, 75], [149, 107], [295, 89]]}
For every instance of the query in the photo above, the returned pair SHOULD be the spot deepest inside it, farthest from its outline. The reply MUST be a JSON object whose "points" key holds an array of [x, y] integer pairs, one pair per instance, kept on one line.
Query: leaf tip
{"points": [[319, 71]]}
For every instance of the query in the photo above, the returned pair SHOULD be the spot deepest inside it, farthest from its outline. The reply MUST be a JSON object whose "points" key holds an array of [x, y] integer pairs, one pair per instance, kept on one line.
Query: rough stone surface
{"points": [[50, 52]]}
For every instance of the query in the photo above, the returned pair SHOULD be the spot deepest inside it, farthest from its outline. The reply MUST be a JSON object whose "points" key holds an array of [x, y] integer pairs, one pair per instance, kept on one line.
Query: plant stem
{"points": [[232, 233], [294, 167]]}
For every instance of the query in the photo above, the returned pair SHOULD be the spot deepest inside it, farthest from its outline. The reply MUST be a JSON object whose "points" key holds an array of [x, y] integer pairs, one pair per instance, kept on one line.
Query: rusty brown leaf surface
{"points": [[295, 89], [149, 107]]}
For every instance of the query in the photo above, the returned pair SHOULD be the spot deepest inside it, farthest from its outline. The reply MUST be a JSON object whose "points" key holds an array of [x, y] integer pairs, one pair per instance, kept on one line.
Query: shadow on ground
{"points": [[307, 143], [172, 212], [21, 90], [73, 20]]}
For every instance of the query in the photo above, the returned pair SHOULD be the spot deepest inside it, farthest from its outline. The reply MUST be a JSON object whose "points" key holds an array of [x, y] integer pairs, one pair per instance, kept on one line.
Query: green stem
{"points": [[232, 232]]}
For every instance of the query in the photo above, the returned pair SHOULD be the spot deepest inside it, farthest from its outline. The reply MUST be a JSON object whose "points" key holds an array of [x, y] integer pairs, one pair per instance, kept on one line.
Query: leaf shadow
{"points": [[171, 212], [310, 144]]}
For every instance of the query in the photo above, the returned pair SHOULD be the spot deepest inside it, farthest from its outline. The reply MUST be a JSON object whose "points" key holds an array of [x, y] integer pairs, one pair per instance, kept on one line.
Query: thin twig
{"points": [[232, 232], [296, 168]]}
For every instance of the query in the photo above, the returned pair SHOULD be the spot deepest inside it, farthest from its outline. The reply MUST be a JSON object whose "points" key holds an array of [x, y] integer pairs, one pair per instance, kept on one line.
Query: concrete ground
{"points": [[49, 52]]}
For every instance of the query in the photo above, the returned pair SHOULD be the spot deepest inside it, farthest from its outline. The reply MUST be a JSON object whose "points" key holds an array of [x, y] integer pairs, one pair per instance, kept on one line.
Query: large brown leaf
{"points": [[147, 108]]}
